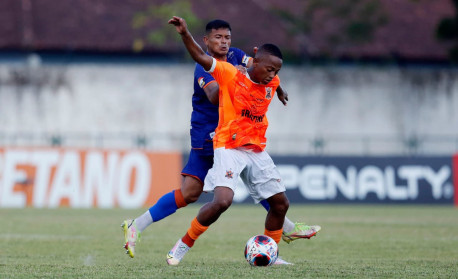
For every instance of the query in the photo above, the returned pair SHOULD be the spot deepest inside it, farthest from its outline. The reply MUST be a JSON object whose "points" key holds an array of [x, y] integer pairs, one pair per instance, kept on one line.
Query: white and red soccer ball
{"points": [[261, 250]]}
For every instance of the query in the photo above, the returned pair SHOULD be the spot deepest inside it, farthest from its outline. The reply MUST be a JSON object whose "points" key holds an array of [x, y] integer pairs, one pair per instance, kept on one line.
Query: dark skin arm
{"points": [[212, 92], [282, 95], [196, 52]]}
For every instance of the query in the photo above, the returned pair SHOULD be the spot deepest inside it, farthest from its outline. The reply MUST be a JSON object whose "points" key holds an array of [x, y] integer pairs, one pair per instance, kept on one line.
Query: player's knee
{"points": [[191, 189], [281, 206], [192, 196], [285, 206], [223, 204]]}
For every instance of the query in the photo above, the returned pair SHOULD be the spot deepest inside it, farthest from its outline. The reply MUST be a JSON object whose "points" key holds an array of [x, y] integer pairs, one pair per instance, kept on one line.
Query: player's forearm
{"points": [[280, 90], [282, 95], [196, 51], [212, 92]]}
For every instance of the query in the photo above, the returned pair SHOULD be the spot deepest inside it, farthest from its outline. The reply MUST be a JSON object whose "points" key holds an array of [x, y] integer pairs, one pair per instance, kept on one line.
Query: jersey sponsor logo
{"points": [[255, 118], [268, 93], [229, 55], [259, 100], [201, 82]]}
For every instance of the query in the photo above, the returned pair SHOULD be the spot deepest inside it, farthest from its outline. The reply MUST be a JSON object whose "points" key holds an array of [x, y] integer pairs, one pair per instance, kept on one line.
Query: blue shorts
{"points": [[198, 165]]}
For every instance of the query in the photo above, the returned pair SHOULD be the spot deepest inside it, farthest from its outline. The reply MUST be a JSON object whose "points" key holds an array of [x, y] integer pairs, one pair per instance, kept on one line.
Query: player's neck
{"points": [[217, 57], [249, 75], [220, 58]]}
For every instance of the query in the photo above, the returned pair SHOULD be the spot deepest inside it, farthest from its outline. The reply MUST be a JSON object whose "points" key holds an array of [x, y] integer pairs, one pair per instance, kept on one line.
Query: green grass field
{"points": [[355, 242]]}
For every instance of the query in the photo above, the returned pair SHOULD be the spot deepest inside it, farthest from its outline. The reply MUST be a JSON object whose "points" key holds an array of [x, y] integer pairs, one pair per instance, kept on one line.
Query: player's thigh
{"points": [[263, 179], [228, 163]]}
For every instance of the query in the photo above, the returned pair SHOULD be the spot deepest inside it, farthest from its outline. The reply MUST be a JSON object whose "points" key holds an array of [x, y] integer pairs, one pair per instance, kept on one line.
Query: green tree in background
{"points": [[447, 31], [157, 15], [354, 22]]}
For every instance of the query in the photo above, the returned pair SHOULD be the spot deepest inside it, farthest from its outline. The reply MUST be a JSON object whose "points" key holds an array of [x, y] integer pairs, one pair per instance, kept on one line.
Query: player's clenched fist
{"points": [[180, 24]]}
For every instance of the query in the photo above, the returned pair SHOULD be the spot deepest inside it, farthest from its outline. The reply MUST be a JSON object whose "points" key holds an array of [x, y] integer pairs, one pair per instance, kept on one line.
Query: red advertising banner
{"points": [[84, 178]]}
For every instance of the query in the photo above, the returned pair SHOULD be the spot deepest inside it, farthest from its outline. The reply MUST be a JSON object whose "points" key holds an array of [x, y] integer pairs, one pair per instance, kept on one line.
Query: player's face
{"points": [[218, 42], [265, 68]]}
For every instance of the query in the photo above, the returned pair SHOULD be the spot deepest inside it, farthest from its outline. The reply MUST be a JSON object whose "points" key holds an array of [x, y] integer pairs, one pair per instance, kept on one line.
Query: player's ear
{"points": [[255, 62], [205, 39]]}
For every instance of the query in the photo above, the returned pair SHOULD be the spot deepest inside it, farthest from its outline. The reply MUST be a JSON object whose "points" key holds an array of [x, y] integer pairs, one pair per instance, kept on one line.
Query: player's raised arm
{"points": [[193, 48]]}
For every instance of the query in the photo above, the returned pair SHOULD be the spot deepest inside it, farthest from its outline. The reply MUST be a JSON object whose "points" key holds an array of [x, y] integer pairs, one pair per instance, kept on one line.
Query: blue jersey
{"points": [[204, 117]]}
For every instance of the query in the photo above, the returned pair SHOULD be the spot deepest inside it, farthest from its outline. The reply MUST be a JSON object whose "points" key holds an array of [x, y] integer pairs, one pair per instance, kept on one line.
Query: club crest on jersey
{"points": [[268, 93], [229, 174], [201, 82]]}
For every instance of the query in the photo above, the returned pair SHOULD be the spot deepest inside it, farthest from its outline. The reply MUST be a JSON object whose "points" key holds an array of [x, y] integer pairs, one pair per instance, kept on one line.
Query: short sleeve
{"points": [[203, 77]]}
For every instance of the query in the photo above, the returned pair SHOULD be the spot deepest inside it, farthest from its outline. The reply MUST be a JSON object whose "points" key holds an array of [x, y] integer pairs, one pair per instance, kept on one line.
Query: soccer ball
{"points": [[261, 250]]}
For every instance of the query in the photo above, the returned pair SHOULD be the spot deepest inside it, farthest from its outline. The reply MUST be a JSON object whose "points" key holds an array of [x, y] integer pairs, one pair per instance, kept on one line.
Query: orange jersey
{"points": [[243, 106]]}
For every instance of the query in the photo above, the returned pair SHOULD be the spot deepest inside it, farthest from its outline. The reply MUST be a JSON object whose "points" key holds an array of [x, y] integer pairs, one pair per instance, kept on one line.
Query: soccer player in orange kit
{"points": [[239, 140]]}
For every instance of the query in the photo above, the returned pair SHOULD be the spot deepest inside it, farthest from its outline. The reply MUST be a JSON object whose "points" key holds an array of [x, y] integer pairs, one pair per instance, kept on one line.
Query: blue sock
{"points": [[164, 207], [265, 204]]}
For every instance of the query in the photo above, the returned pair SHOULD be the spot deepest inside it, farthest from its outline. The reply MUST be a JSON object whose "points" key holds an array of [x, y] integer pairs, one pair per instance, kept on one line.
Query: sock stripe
{"points": [[275, 235], [196, 229], [188, 240], [179, 199]]}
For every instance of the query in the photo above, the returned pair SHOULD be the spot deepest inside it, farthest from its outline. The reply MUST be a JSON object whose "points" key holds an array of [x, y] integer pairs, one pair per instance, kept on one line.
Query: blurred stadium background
{"points": [[373, 89]]}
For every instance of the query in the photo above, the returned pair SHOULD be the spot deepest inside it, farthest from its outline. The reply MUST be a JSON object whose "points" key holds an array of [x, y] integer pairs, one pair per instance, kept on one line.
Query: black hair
{"points": [[270, 49], [217, 24]]}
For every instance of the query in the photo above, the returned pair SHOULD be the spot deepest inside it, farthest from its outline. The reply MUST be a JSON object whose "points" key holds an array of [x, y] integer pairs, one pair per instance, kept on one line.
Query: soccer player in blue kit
{"points": [[204, 120]]}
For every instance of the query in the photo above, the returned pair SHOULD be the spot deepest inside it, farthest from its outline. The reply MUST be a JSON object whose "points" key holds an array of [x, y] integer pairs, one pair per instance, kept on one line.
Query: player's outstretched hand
{"points": [[180, 24], [283, 96]]}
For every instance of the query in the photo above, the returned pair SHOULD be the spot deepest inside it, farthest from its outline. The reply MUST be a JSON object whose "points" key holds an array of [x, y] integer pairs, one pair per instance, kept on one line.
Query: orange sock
{"points": [[275, 235], [194, 232], [179, 199]]}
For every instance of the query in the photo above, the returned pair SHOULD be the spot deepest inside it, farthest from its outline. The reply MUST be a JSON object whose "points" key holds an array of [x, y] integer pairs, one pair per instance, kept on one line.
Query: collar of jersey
{"points": [[248, 76]]}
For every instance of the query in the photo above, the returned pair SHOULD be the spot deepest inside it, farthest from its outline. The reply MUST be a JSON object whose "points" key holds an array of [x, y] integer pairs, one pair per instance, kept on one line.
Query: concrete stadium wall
{"points": [[332, 109]]}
